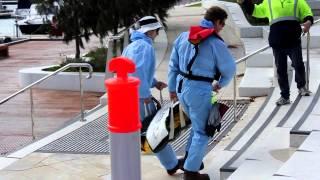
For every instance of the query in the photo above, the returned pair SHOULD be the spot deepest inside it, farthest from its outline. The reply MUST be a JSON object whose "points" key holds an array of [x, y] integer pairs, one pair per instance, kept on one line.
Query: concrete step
{"points": [[309, 118], [315, 6], [265, 33], [253, 44], [263, 59], [267, 157], [257, 139], [259, 73], [251, 31], [314, 37], [281, 178], [246, 30], [305, 162], [256, 82], [307, 123], [258, 155]]}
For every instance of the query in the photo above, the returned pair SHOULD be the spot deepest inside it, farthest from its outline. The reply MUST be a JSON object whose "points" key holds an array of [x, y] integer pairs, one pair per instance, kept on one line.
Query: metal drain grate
{"points": [[226, 124], [90, 138], [12, 143], [93, 137]]}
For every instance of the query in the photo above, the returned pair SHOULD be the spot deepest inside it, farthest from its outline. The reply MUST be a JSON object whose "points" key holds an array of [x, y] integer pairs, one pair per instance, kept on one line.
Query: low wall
{"points": [[62, 81]]}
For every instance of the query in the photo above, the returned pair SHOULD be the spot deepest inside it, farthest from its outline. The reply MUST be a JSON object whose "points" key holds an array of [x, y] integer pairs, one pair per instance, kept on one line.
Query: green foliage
{"points": [[45, 7], [72, 21], [97, 59], [65, 62], [79, 19], [108, 16], [159, 8]]}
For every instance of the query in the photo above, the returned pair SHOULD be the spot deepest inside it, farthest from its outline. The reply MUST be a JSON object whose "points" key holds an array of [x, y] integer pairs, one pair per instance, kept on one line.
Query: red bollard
{"points": [[124, 124]]}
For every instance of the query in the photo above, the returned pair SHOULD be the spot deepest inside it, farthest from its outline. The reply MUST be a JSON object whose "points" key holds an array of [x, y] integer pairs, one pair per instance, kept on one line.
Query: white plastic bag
{"points": [[165, 126]]}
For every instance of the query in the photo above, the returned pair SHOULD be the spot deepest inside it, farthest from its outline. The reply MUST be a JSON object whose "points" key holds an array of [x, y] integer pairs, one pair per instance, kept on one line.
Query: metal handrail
{"points": [[235, 78], [308, 56], [261, 50], [70, 65], [251, 54], [316, 21]]}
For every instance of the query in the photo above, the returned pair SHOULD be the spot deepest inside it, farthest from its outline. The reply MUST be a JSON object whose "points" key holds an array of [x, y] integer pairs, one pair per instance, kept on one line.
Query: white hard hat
{"points": [[148, 23]]}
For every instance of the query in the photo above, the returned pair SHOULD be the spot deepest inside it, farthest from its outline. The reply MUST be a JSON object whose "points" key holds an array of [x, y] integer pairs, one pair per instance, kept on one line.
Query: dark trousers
{"points": [[295, 54]]}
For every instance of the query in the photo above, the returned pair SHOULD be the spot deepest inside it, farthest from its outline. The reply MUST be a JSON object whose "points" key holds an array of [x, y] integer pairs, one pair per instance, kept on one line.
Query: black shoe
{"points": [[184, 159], [188, 175], [304, 91], [175, 169]]}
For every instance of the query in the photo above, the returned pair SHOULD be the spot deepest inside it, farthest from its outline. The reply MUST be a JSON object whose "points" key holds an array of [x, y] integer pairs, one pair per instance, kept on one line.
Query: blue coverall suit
{"points": [[195, 95], [141, 51]]}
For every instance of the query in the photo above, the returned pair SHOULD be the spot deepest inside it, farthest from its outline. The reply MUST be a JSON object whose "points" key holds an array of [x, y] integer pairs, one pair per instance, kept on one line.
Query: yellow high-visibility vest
{"points": [[281, 10]]}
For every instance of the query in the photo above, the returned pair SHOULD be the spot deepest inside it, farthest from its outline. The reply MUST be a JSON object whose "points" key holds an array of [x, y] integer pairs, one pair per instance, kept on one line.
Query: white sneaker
{"points": [[304, 91], [282, 101]]}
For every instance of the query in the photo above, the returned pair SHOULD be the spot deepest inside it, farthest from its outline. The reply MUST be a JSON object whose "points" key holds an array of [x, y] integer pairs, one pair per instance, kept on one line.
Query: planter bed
{"points": [[61, 81]]}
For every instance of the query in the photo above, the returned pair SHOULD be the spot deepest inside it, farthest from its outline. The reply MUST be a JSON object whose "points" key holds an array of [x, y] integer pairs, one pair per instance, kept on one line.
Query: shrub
{"points": [[96, 58]]}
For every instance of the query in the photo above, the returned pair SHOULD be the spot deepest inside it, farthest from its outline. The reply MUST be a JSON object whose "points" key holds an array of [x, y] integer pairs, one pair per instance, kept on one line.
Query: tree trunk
{"points": [[114, 48], [77, 56], [78, 36]]}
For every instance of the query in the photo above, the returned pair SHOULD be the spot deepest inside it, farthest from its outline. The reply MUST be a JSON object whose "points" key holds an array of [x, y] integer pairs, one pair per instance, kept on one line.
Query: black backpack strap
{"points": [[189, 74], [196, 47]]}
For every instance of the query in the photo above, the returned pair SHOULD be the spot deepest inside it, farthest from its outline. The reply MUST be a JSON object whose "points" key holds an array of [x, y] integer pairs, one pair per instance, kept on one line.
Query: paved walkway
{"points": [[52, 109]]}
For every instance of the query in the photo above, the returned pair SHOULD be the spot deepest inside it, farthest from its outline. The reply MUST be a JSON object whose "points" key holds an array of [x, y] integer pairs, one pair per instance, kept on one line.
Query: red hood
{"points": [[197, 34]]}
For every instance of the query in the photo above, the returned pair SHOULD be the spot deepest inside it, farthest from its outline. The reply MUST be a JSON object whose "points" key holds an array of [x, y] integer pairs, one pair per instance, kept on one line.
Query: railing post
{"points": [[235, 98], [308, 61], [109, 56], [81, 95], [31, 114], [16, 24], [126, 38]]}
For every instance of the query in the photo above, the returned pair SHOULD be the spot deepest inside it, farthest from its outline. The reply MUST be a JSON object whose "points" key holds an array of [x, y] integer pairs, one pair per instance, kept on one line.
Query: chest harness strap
{"points": [[189, 74]]}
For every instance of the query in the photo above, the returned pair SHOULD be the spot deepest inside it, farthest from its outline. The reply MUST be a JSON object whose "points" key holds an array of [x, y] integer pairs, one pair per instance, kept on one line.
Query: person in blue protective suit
{"points": [[285, 17], [142, 52], [197, 57]]}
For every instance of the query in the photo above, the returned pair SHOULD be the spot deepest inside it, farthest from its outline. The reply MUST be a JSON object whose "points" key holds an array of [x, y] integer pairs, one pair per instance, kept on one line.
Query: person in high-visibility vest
{"points": [[285, 17]]}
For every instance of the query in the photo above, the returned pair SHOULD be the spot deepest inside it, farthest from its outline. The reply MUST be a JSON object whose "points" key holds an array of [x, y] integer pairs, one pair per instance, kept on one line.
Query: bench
{"points": [[4, 50]]}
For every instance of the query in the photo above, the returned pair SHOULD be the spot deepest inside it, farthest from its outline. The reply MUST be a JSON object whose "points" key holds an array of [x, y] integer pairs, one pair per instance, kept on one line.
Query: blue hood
{"points": [[136, 35], [206, 24]]}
